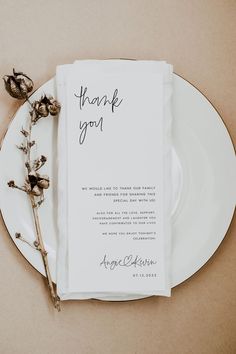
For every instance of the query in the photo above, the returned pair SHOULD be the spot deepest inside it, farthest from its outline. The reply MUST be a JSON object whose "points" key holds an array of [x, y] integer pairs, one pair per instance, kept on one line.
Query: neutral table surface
{"points": [[199, 38]]}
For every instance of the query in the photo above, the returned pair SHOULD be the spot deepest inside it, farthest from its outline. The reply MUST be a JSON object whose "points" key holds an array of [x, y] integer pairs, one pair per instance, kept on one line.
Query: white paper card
{"points": [[114, 235]]}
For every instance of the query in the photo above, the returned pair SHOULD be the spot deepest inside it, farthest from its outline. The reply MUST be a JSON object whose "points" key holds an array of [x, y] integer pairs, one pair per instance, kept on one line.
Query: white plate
{"points": [[207, 200]]}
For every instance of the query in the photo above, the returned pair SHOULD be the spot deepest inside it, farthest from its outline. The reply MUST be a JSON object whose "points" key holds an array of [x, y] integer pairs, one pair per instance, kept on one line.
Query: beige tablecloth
{"points": [[198, 38]]}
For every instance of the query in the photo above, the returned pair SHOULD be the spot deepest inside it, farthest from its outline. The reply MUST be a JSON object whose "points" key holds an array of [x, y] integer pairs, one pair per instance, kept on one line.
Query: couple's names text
{"points": [[84, 99], [127, 261]]}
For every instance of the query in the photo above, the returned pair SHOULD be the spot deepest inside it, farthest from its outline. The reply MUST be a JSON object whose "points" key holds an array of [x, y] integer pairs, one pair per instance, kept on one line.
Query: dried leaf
{"points": [[23, 148], [24, 132], [31, 143]]}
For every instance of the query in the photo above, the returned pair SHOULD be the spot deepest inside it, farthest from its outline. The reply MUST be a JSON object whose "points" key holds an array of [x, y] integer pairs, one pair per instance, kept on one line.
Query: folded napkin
{"points": [[114, 179]]}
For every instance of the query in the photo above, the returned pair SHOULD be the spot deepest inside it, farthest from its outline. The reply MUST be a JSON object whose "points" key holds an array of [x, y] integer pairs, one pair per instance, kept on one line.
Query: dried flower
{"points": [[44, 107], [11, 184], [41, 109], [43, 158], [38, 182], [37, 191], [54, 107], [18, 85], [27, 186], [43, 182], [32, 177]]}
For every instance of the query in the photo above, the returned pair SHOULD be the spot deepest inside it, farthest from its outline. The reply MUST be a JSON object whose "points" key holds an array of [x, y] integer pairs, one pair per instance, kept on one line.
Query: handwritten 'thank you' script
{"points": [[113, 102]]}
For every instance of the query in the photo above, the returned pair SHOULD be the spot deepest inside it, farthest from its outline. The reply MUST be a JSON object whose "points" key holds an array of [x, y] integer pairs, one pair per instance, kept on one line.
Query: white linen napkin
{"points": [[114, 179]]}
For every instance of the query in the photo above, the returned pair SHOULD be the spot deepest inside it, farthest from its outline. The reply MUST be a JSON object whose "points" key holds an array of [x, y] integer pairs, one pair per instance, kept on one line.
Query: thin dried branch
{"points": [[12, 184], [41, 248], [18, 86], [20, 237]]}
